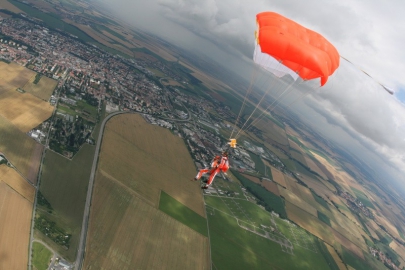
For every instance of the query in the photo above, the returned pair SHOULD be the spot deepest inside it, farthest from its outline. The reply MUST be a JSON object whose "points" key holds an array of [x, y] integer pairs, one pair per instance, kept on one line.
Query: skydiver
{"points": [[218, 164]]}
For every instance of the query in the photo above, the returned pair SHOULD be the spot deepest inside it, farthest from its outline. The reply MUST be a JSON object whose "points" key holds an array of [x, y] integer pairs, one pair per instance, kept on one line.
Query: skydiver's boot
{"points": [[204, 186]]}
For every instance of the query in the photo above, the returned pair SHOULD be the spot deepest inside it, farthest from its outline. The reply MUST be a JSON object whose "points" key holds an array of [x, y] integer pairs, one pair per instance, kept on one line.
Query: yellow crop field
{"points": [[297, 201], [336, 257], [278, 177], [23, 110], [310, 223], [14, 75], [15, 225], [126, 228], [43, 89], [16, 182], [23, 152]]}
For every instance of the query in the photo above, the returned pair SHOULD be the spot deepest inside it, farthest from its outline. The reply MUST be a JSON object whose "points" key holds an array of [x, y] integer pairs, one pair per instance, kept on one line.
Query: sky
{"points": [[352, 109]]}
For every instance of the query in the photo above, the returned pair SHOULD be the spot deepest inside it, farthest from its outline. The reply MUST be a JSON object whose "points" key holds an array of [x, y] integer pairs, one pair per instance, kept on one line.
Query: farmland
{"points": [[182, 213], [23, 110], [147, 147], [278, 177], [237, 234], [64, 185], [43, 89], [126, 226], [17, 183], [41, 256], [23, 152], [15, 216]]}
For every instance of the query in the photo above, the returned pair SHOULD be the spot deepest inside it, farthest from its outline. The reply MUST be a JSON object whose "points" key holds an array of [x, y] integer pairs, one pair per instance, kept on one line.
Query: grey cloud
{"points": [[369, 33]]}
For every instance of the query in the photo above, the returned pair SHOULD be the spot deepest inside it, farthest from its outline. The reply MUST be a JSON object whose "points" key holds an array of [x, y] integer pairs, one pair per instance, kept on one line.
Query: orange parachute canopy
{"points": [[301, 51]]}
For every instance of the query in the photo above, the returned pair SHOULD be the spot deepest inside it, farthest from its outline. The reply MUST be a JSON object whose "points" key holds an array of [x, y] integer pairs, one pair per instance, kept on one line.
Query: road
{"points": [[86, 215], [83, 235], [34, 209]]}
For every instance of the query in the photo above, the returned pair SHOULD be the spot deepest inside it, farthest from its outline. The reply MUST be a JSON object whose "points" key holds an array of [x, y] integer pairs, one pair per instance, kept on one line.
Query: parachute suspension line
{"points": [[281, 97], [248, 91], [330, 84], [268, 107], [257, 106], [253, 80]]}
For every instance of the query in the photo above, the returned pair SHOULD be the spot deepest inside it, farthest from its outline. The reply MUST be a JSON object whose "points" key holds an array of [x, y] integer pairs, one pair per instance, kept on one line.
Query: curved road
{"points": [[85, 224], [83, 235]]}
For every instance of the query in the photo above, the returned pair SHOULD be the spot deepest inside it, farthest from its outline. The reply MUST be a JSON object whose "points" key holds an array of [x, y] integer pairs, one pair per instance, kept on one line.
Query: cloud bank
{"points": [[370, 34]]}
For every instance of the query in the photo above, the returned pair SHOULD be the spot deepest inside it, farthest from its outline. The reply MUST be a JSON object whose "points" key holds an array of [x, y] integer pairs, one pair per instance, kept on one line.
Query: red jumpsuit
{"points": [[217, 165]]}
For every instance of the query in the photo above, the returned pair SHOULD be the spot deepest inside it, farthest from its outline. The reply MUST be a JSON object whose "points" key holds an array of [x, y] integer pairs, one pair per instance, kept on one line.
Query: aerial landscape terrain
{"points": [[104, 125]]}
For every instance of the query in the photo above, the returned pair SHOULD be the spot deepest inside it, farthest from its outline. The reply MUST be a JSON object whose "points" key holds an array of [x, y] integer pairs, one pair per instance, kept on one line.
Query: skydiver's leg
{"points": [[201, 173], [212, 176]]}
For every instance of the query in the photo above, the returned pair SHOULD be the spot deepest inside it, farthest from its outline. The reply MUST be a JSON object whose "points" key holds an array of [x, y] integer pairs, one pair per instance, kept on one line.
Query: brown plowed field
{"points": [[278, 177], [271, 186], [253, 179]]}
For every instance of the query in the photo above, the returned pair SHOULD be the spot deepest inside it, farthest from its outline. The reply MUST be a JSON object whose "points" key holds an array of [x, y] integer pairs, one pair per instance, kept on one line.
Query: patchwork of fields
{"points": [[126, 227], [245, 236], [19, 113]]}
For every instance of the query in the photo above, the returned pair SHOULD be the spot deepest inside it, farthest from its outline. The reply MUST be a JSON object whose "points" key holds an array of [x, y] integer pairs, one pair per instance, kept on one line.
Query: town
{"points": [[89, 77]]}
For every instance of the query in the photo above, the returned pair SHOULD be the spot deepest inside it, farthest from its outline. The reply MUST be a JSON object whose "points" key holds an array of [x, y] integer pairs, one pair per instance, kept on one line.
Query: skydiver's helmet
{"points": [[225, 154]]}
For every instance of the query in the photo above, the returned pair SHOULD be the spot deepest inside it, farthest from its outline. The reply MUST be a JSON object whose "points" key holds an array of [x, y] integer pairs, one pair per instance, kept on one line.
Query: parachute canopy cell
{"points": [[286, 47]]}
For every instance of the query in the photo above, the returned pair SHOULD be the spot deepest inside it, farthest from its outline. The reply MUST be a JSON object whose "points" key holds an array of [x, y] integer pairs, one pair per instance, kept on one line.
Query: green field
{"points": [[326, 255], [384, 237], [259, 165], [233, 247], [363, 198], [85, 107], [40, 256], [182, 213], [359, 264], [66, 110], [64, 184], [270, 200], [324, 218]]}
